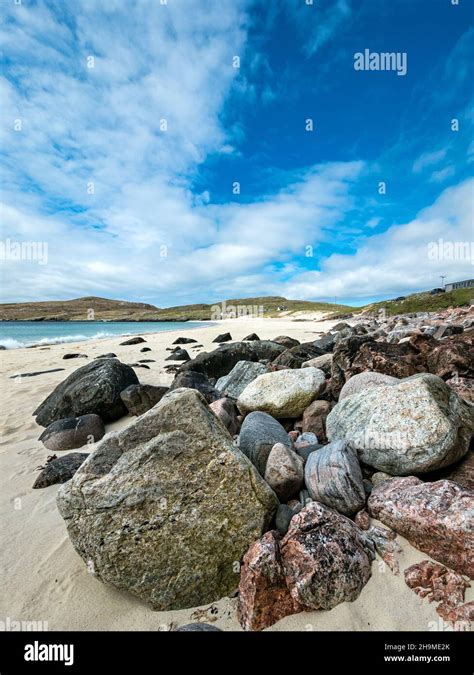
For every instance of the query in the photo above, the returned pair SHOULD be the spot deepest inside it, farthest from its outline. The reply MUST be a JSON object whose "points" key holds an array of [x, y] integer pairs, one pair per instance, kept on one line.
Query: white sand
{"points": [[42, 577]]}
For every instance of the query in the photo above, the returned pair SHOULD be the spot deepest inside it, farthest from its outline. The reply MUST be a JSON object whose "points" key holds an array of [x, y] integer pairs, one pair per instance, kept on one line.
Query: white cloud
{"points": [[399, 260]]}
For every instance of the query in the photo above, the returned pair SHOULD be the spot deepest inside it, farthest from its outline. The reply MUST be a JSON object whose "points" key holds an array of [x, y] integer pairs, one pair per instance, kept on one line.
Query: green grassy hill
{"points": [[423, 302]]}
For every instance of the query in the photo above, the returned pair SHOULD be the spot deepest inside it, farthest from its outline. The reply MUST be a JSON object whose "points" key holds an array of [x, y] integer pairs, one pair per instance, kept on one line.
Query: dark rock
{"points": [[356, 354], [94, 388], [452, 357], [326, 342], [296, 356], [184, 341], [138, 398], [221, 361], [434, 517], [60, 469], [198, 628], [75, 356], [72, 432], [286, 341], [251, 337], [178, 355], [145, 349], [133, 341], [138, 365], [37, 372], [223, 337], [283, 518], [447, 329], [194, 380], [146, 361], [305, 451], [109, 355], [258, 435]]}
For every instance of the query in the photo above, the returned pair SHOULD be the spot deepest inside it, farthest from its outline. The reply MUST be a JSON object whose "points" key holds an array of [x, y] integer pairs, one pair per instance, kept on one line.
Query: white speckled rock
{"points": [[283, 393], [364, 381], [414, 426]]}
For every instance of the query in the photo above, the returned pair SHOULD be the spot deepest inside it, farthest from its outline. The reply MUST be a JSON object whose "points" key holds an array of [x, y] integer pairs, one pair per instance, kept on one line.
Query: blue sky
{"points": [[135, 128]]}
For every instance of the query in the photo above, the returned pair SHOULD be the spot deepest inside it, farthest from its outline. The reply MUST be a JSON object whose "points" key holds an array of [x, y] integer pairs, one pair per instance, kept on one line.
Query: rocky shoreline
{"points": [[265, 466]]}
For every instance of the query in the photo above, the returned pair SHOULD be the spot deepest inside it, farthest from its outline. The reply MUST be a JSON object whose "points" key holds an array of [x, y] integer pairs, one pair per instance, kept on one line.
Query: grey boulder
{"points": [[414, 426], [284, 471], [167, 507]]}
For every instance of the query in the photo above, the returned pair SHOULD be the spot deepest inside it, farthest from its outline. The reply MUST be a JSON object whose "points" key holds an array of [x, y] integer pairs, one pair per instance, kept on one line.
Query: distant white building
{"points": [[467, 283]]}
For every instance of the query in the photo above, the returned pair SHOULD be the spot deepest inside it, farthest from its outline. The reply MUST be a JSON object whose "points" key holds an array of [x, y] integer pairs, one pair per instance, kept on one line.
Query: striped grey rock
{"points": [[242, 374], [166, 507], [414, 426], [333, 477]]}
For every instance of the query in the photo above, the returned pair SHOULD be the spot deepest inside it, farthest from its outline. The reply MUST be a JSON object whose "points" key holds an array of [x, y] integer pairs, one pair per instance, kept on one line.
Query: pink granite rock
{"points": [[437, 518], [326, 558], [226, 411], [264, 597]]}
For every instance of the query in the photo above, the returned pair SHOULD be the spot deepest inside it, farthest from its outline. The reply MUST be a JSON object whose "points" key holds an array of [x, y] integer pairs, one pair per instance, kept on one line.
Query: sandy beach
{"points": [[44, 580]]}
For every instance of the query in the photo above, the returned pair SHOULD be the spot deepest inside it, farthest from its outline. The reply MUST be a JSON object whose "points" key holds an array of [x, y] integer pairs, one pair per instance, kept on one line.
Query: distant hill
{"points": [[423, 302], [102, 309], [271, 306]]}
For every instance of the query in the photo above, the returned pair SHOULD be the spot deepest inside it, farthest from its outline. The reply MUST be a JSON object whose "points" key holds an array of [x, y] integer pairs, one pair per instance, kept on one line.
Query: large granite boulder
{"points": [[323, 362], [167, 507], [242, 374], [258, 435], [333, 477], [364, 381], [92, 389], [437, 518], [73, 432], [221, 361], [283, 393], [415, 426]]}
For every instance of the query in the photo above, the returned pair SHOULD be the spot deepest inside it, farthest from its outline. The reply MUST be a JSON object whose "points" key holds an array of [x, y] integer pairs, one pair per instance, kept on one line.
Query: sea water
{"points": [[14, 334]]}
